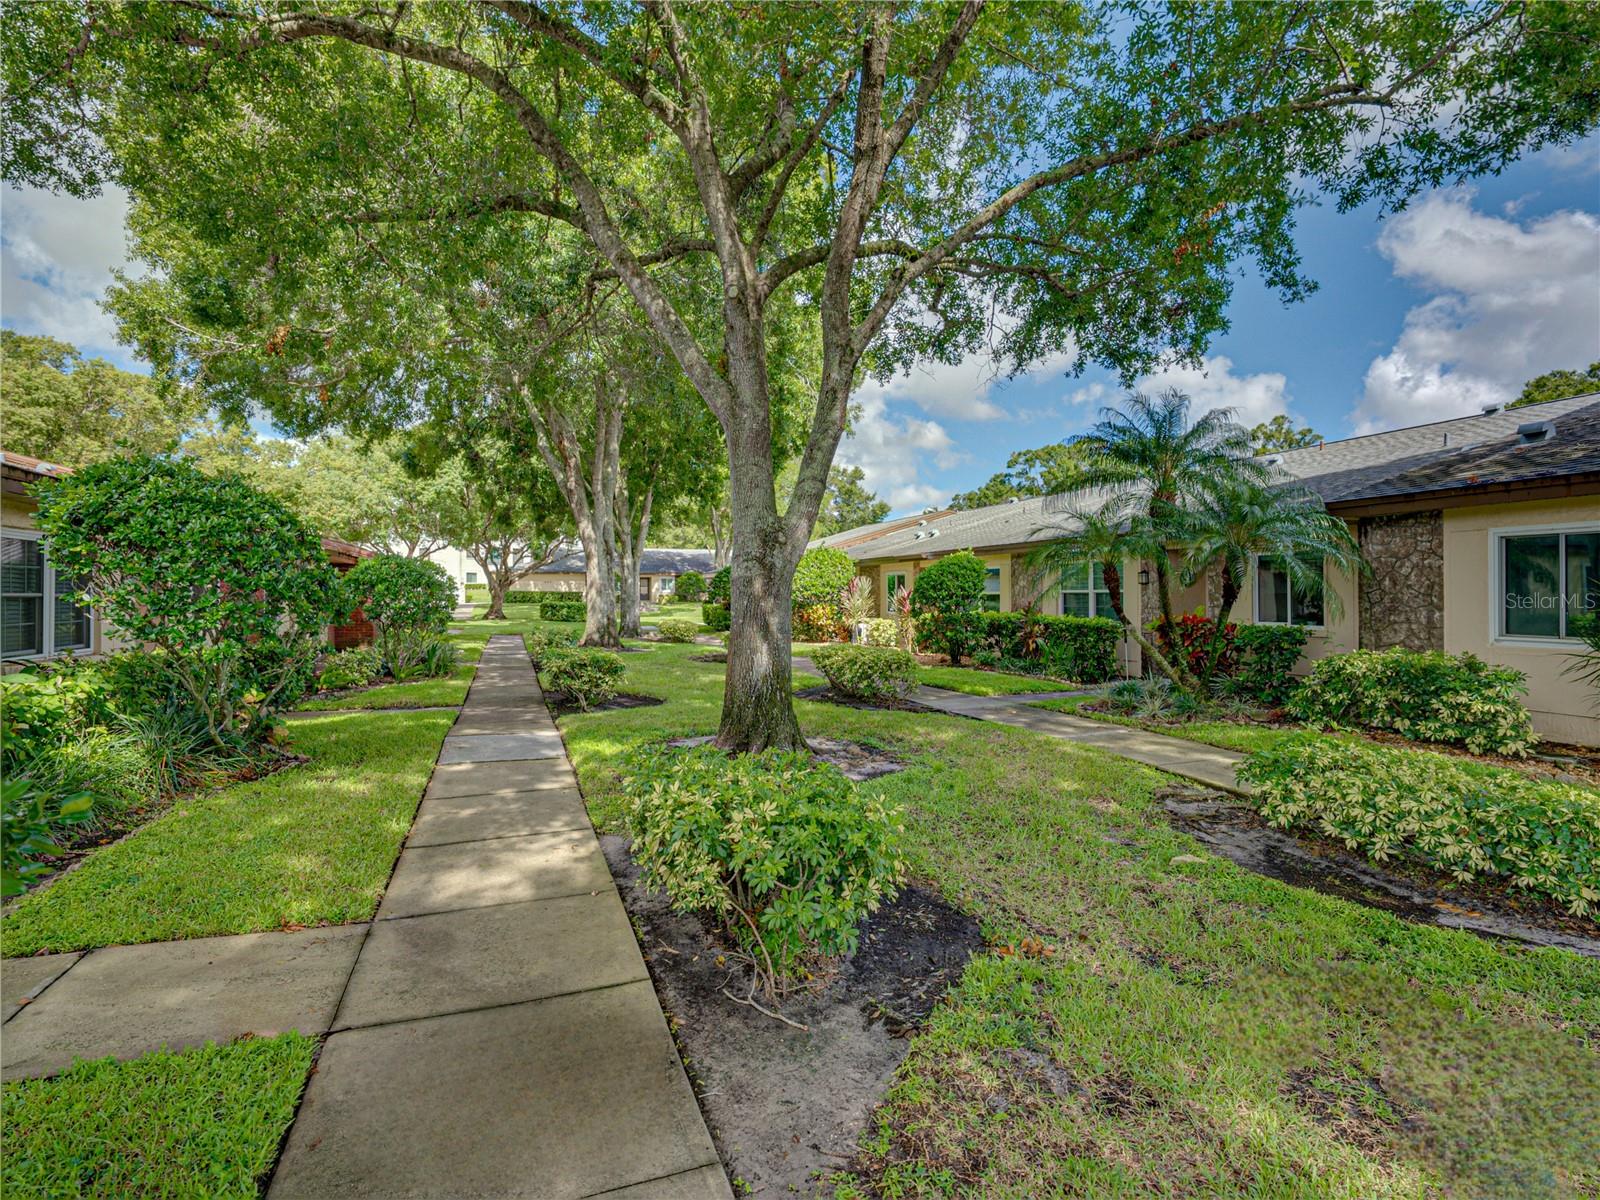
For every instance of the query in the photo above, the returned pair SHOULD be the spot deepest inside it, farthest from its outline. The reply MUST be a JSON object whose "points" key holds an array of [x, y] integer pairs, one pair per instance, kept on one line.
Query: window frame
{"points": [[995, 572], [889, 587], [47, 618], [1093, 592], [1497, 581], [1255, 598]]}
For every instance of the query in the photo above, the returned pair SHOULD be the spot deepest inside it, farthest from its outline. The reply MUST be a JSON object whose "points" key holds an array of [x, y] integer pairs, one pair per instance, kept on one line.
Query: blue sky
{"points": [[1428, 314]]}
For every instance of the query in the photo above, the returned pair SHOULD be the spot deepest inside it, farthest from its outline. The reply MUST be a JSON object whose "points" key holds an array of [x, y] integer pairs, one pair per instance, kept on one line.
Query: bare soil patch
{"points": [[786, 1105], [564, 706], [1409, 890], [721, 657]]}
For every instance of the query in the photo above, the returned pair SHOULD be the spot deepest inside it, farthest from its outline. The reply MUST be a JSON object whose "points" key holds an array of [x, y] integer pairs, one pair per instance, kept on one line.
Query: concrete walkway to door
{"points": [[499, 1036]]}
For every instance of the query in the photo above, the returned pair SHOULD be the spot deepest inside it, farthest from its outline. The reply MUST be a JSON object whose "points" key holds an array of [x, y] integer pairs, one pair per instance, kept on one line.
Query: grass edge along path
{"points": [[203, 1123], [1195, 1028], [975, 682], [313, 843]]}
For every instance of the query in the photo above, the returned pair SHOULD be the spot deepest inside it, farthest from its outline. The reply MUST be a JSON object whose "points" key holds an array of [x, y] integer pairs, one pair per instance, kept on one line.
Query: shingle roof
{"points": [[651, 562], [1464, 452]]}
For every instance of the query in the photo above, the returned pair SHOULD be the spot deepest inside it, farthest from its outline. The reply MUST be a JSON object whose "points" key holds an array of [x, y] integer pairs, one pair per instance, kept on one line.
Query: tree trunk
{"points": [[494, 579], [630, 553], [1230, 597], [721, 544]]}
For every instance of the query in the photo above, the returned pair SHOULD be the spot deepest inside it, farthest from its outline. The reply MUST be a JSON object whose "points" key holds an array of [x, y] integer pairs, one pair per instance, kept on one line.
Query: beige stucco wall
{"points": [[1562, 708], [562, 582], [1341, 614]]}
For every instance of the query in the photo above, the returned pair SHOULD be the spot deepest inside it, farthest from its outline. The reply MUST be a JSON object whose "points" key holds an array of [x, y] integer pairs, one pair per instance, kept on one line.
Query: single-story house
{"points": [[658, 573], [1482, 533], [37, 621]]}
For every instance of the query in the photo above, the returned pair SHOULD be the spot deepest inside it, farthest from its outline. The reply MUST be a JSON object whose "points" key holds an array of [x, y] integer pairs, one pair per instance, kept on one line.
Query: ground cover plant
{"points": [[585, 677], [867, 672], [1194, 1028], [203, 1123], [308, 844], [1471, 821]]}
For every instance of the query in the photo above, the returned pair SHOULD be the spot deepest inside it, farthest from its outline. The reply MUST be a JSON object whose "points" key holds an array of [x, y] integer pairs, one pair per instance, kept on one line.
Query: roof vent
{"points": [[922, 522], [1535, 431], [1013, 499], [1492, 407], [1273, 460]]}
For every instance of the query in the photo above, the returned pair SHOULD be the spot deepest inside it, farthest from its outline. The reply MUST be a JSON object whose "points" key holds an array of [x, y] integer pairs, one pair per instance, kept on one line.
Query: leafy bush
{"points": [[143, 682], [1080, 648], [719, 588], [541, 641], [883, 631], [585, 677], [715, 617], [1267, 655], [1462, 817], [27, 818], [562, 608], [820, 576], [1192, 637], [674, 630], [856, 603], [818, 623], [870, 672], [786, 851], [227, 580], [440, 657], [408, 601], [516, 596], [1428, 696], [351, 668], [944, 603], [40, 709], [690, 586]]}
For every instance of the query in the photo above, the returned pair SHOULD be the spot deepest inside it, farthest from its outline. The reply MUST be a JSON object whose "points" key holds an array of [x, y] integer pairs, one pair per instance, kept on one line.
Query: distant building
{"points": [[658, 573]]}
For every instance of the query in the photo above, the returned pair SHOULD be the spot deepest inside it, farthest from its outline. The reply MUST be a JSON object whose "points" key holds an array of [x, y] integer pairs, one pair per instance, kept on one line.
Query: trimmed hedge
{"points": [[673, 630], [1462, 817], [1080, 648], [820, 576], [1427, 696], [586, 677], [869, 672], [562, 608], [715, 617], [524, 597]]}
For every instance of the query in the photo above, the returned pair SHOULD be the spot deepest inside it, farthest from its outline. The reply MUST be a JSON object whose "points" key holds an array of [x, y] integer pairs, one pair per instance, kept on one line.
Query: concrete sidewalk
{"points": [[1209, 765], [499, 1035]]}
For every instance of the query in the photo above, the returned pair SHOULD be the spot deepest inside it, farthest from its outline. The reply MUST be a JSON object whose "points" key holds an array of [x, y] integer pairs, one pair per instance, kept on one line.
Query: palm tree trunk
{"points": [[1113, 580], [1230, 596]]}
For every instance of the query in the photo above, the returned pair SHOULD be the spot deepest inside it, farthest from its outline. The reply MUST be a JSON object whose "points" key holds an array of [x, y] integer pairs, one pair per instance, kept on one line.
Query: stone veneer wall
{"points": [[1402, 602]]}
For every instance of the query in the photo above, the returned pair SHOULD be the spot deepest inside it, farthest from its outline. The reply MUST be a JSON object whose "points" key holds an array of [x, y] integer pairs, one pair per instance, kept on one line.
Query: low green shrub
{"points": [[819, 577], [40, 709], [690, 586], [883, 631], [869, 672], [585, 677], [719, 588], [525, 597], [440, 657], [788, 853], [1080, 648], [562, 608], [541, 641], [28, 817], [352, 668], [818, 623], [1462, 817], [1267, 655], [1427, 696], [715, 617], [674, 630], [408, 601]]}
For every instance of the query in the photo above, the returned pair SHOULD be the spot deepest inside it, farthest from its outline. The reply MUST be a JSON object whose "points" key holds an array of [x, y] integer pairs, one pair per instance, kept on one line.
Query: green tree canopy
{"points": [[1047, 471], [1281, 434], [848, 503], [71, 410], [1558, 385]]}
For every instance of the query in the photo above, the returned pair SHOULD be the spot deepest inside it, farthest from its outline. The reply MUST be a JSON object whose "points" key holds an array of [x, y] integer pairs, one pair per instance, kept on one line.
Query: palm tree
{"points": [[1236, 520], [1107, 535], [1148, 452]]}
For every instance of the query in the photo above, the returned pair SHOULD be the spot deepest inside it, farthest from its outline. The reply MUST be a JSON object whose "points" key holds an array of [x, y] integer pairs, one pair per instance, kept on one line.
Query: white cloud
{"points": [[1513, 300], [890, 448], [1213, 384], [56, 259], [956, 391]]}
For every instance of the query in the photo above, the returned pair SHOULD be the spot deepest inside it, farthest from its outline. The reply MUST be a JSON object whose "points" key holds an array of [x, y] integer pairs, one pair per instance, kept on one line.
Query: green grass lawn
{"points": [[204, 1123], [986, 683], [1198, 1030], [678, 610], [311, 843], [1229, 735], [420, 693]]}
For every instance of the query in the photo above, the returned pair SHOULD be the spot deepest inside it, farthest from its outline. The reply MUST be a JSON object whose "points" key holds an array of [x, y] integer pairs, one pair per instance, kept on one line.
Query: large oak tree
{"points": [[1092, 169]]}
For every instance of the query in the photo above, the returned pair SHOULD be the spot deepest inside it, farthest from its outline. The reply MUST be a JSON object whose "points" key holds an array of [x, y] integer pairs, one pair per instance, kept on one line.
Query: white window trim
{"points": [[47, 618], [1255, 598], [1094, 595], [1497, 575]]}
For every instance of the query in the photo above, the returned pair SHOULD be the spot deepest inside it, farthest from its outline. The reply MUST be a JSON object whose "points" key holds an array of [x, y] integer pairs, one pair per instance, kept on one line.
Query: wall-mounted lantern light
{"points": [[1144, 578]]}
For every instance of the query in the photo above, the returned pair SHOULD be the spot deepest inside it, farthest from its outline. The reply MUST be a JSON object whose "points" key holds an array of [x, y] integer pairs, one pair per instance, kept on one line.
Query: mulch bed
{"points": [[710, 658], [858, 761], [786, 1104], [1411, 890], [564, 706], [827, 695]]}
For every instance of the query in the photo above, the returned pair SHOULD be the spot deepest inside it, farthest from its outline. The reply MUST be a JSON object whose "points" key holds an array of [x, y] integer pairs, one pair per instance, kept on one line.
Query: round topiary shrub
{"points": [[867, 672], [408, 601], [820, 576], [690, 586], [673, 630], [226, 580], [585, 677], [719, 588], [944, 603], [786, 851]]}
